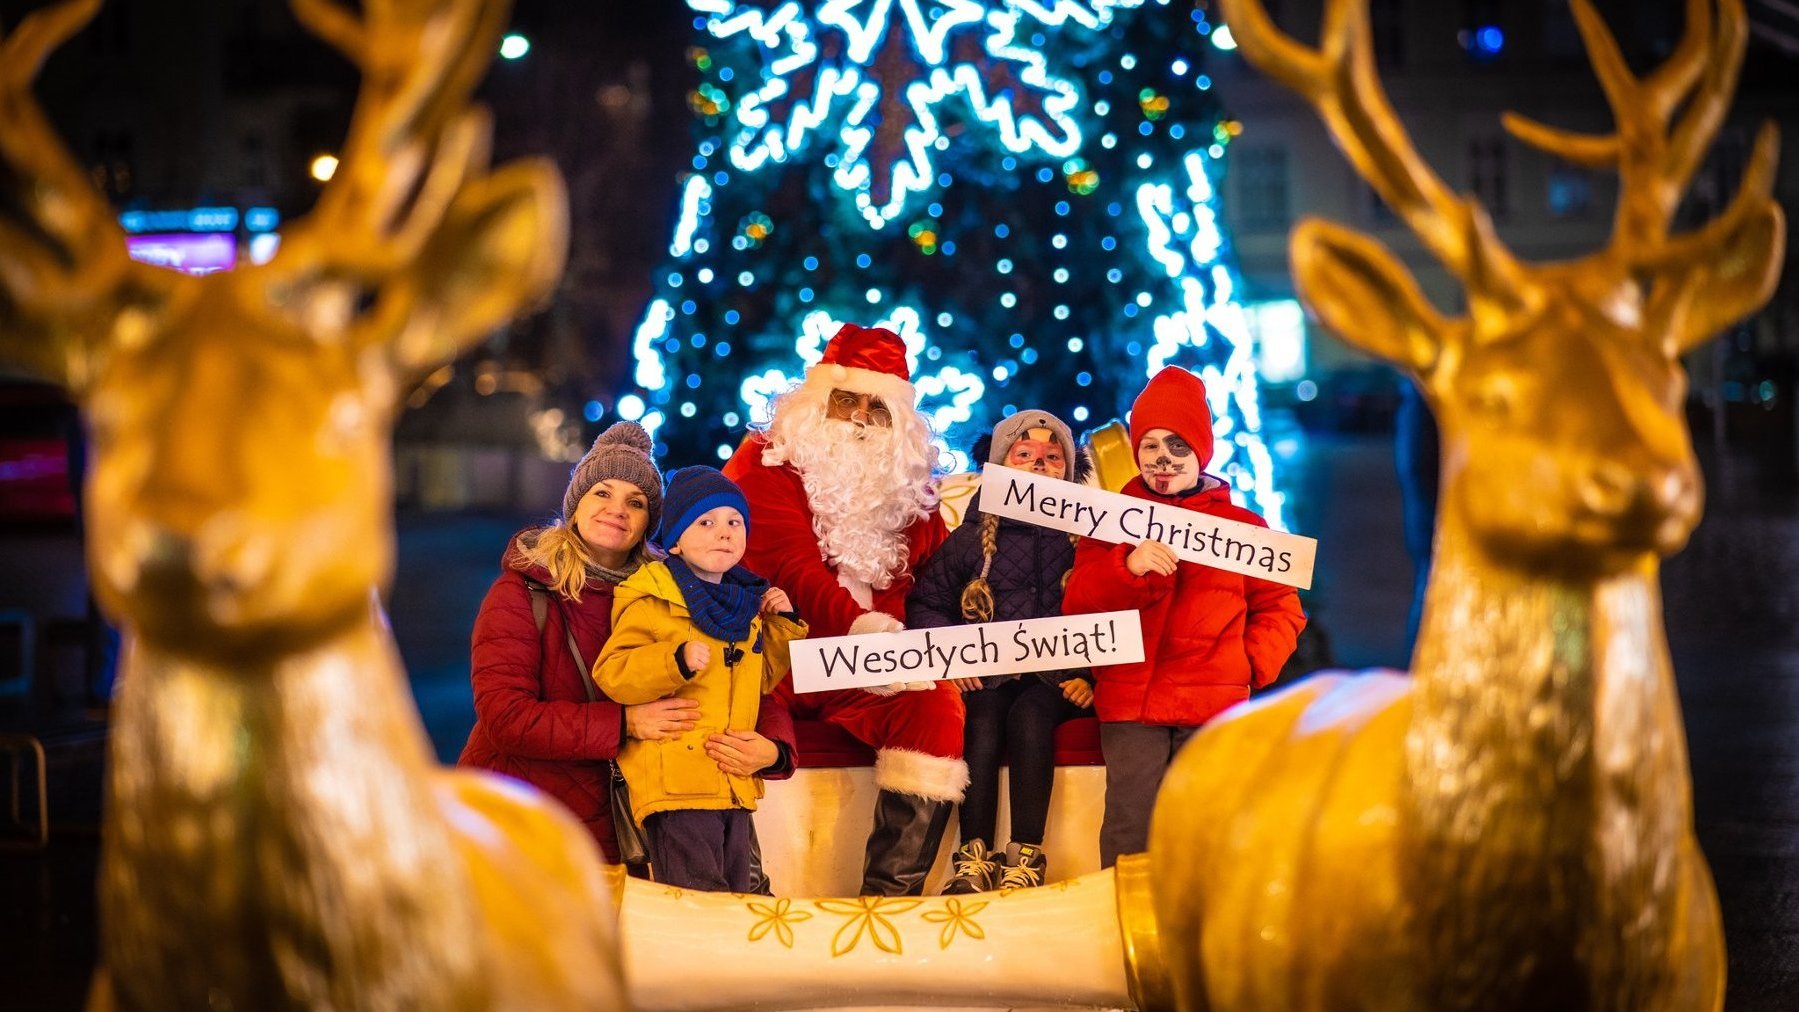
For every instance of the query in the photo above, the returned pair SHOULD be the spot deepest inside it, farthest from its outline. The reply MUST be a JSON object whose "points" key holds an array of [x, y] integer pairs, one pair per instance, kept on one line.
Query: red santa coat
{"points": [[917, 735], [1208, 635]]}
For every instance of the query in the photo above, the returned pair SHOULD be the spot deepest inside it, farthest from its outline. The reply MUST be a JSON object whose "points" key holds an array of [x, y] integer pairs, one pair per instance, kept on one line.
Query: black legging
{"points": [[1015, 718]]}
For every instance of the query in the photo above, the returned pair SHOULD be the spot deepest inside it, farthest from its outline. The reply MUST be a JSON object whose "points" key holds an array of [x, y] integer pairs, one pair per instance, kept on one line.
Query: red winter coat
{"points": [[1208, 635], [532, 717], [783, 548]]}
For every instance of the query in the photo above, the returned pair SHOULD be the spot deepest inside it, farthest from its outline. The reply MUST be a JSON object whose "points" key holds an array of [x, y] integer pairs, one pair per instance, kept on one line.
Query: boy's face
{"points": [[1167, 462], [713, 543], [1040, 452]]}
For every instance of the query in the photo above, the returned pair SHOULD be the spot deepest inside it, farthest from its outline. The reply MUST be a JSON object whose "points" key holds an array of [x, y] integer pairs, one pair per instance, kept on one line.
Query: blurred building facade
{"points": [[188, 104], [204, 118], [1451, 69]]}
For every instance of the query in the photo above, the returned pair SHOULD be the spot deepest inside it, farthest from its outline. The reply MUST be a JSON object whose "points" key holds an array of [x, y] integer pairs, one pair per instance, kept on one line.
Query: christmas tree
{"points": [[1024, 189]]}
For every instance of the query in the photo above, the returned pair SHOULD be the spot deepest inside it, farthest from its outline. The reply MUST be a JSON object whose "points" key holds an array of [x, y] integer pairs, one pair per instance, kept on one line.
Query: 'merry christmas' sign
{"points": [[1229, 545], [967, 651]]}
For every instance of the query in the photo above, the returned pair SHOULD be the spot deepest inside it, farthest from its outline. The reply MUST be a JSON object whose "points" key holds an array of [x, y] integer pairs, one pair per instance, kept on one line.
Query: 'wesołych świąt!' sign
{"points": [[967, 651], [1229, 545]]}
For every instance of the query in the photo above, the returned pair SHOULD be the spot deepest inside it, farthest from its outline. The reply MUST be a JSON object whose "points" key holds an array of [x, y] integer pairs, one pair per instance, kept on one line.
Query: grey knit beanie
{"points": [[623, 452], [1015, 426]]}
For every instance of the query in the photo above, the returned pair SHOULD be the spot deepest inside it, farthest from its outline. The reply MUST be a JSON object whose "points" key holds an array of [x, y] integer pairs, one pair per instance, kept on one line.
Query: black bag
{"points": [[633, 847]]}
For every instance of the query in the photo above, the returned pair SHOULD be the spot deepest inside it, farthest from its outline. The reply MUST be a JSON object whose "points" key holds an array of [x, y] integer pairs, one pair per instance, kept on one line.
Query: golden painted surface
{"points": [[1510, 827], [1114, 458], [277, 834], [1146, 960]]}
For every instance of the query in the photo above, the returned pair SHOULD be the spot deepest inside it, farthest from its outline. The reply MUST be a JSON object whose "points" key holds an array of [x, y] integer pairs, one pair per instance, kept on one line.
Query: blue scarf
{"points": [[722, 610]]}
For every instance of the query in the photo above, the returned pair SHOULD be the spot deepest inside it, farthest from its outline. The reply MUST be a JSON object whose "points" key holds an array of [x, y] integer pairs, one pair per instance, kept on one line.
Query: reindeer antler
{"points": [[412, 209], [62, 256], [1654, 163], [414, 141], [1339, 80]]}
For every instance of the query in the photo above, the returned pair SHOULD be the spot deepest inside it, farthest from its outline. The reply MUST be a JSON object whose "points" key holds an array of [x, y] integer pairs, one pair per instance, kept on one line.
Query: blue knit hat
{"points": [[692, 493]]}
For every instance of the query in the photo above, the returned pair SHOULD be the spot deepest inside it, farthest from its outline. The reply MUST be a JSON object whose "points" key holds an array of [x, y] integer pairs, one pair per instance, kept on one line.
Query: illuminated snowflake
{"points": [[946, 395], [863, 80]]}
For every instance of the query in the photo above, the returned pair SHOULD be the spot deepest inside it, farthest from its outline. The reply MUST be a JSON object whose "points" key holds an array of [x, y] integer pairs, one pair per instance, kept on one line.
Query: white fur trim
{"points": [[899, 394], [919, 773], [875, 622]]}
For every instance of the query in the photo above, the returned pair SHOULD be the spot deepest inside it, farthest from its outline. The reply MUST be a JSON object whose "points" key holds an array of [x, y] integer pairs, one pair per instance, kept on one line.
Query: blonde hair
{"points": [[977, 597], [559, 549]]}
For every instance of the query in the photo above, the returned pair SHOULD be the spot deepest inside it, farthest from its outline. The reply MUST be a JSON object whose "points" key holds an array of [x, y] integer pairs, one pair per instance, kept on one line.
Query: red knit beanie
{"points": [[1175, 400]]}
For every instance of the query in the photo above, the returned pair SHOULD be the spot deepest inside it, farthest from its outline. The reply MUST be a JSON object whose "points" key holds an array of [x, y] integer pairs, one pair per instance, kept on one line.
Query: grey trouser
{"points": [[1137, 757]]}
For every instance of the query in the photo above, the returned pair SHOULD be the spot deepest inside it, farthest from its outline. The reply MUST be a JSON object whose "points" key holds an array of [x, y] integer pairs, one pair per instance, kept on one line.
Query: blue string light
{"points": [[809, 96]]}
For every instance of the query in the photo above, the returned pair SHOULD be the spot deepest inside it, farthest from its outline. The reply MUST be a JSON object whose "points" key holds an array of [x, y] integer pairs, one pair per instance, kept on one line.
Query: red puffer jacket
{"points": [[1208, 635], [532, 717]]}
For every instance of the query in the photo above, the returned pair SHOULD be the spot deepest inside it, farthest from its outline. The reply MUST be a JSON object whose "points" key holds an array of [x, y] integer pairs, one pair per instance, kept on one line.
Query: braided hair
{"points": [[977, 597]]}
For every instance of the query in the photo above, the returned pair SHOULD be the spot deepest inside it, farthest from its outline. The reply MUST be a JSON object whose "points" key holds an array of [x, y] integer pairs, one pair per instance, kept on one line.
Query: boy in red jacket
{"points": [[1209, 636]]}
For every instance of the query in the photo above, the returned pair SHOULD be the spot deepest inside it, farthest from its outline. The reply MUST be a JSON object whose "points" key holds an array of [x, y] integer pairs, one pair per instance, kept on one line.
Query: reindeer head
{"points": [[239, 489], [1560, 392]]}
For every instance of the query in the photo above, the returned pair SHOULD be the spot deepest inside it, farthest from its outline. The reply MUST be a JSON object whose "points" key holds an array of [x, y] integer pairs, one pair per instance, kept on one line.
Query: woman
{"points": [[538, 716]]}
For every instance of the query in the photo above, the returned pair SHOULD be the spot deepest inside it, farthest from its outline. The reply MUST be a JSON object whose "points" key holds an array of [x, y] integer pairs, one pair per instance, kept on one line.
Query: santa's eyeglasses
{"points": [[846, 405]]}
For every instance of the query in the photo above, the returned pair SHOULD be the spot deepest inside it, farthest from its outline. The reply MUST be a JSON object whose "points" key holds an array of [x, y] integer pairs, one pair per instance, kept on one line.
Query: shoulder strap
{"points": [[540, 601], [540, 606]]}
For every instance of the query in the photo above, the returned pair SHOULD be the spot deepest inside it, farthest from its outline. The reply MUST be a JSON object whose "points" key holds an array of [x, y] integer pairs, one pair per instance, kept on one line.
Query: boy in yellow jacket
{"points": [[698, 626]]}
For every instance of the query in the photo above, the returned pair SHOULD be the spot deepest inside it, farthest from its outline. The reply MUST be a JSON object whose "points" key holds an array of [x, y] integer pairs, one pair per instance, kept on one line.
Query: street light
{"points": [[324, 167], [514, 46]]}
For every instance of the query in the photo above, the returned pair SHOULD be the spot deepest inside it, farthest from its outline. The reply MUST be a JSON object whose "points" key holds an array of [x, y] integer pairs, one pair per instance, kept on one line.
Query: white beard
{"points": [[866, 485]]}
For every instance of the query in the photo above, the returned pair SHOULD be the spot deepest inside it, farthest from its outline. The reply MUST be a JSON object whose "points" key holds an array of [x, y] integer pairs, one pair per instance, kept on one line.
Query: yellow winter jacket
{"points": [[650, 622]]}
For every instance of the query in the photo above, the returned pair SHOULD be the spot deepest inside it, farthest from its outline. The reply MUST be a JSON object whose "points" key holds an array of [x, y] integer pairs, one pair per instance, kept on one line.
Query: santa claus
{"points": [[843, 508]]}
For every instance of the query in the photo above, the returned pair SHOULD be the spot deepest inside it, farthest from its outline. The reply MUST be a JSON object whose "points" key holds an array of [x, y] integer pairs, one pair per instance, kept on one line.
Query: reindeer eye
{"points": [[1494, 397]]}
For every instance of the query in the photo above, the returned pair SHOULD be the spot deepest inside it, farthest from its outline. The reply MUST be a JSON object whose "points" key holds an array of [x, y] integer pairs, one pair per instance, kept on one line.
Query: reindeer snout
{"points": [[217, 558], [1608, 488], [1651, 506]]}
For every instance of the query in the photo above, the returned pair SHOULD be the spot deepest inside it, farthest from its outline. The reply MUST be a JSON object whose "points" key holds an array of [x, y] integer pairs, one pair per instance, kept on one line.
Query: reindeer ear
{"points": [[1366, 296], [499, 250], [1736, 279]]}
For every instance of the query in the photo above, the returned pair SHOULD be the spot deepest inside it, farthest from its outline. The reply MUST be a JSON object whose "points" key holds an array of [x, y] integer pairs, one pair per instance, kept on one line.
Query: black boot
{"points": [[903, 844], [759, 883]]}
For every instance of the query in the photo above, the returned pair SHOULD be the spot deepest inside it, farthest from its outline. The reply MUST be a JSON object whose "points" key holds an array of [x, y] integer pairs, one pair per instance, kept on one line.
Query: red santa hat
{"points": [[866, 360], [1174, 399]]}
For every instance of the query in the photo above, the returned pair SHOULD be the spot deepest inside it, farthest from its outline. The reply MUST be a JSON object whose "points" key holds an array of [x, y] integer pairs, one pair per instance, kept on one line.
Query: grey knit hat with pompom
{"points": [[623, 452], [1014, 427]]}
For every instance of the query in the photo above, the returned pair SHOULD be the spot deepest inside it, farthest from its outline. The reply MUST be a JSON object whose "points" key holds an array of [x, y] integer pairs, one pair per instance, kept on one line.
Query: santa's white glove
{"points": [[879, 622]]}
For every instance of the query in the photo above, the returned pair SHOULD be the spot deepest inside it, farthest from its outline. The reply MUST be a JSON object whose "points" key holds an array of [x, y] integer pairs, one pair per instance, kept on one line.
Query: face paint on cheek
{"points": [[1164, 472]]}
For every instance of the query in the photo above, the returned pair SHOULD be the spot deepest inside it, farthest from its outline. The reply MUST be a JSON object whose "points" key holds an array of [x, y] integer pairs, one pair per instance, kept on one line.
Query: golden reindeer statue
{"points": [[276, 834], [1510, 827]]}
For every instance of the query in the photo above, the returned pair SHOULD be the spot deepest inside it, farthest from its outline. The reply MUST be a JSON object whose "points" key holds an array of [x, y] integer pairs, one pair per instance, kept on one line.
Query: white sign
{"points": [[1230, 545], [967, 651]]}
